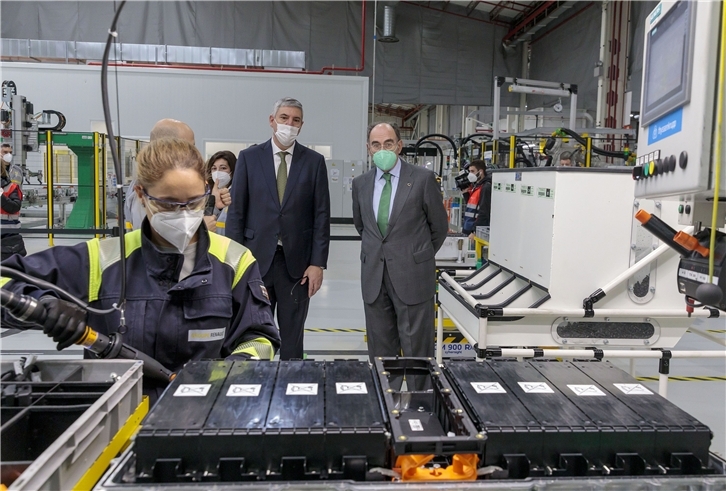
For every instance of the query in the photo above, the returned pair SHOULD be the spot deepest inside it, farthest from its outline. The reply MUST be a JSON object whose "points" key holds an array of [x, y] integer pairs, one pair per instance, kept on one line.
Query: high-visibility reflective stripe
{"points": [[259, 347], [244, 263], [235, 255], [102, 254], [4, 281]]}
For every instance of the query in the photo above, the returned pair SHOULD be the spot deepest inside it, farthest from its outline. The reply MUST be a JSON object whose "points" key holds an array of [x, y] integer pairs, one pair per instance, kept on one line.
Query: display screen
{"points": [[666, 75]]}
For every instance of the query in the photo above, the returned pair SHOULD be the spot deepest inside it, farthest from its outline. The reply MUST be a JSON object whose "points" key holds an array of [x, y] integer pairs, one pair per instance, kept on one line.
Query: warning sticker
{"points": [[302, 390], [192, 390], [526, 190], [634, 389], [488, 388], [497, 186], [351, 388], [535, 388], [510, 188], [586, 390], [545, 193], [415, 424], [244, 390]]}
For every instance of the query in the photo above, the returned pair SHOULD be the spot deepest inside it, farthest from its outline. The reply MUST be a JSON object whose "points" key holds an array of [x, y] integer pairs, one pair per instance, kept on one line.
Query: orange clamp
{"points": [[691, 243], [462, 468]]}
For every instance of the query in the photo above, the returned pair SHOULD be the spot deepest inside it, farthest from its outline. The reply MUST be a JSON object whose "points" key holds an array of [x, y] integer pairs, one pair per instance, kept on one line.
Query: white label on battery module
{"points": [[302, 390], [536, 388], [586, 390], [244, 390], [415, 424], [192, 390], [351, 388], [633, 389], [488, 388]]}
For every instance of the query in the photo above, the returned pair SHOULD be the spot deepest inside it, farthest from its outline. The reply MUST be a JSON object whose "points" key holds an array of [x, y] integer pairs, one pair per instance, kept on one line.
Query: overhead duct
{"points": [[389, 26]]}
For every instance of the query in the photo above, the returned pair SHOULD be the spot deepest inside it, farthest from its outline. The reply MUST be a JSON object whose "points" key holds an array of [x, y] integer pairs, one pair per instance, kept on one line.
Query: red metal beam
{"points": [[522, 25], [494, 13], [497, 23], [565, 21], [471, 7]]}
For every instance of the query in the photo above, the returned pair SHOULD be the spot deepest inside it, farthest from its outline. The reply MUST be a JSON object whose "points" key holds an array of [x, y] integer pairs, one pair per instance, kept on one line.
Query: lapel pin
{"points": [[409, 184]]}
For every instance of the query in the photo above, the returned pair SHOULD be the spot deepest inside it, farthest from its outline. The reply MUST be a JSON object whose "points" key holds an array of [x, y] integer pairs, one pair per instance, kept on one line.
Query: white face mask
{"points": [[472, 177], [286, 134], [177, 227], [8, 157], [223, 177]]}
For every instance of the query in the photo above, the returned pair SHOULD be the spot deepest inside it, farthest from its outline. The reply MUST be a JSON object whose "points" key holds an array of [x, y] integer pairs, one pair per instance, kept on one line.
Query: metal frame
{"points": [[527, 86]]}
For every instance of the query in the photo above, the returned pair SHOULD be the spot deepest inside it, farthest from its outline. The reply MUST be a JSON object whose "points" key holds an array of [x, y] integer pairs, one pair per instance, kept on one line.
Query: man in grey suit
{"points": [[399, 213]]}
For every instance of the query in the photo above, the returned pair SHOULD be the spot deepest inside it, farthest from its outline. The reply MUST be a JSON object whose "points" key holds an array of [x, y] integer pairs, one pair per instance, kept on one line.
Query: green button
{"points": [[680, 208]]}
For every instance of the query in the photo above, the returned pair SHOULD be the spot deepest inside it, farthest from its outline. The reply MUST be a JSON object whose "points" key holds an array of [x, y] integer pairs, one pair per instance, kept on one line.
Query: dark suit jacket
{"points": [[256, 218], [417, 228]]}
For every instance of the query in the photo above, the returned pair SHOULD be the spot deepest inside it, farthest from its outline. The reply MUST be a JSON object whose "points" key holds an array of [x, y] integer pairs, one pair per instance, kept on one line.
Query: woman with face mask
{"points": [[221, 168], [190, 294], [11, 241]]}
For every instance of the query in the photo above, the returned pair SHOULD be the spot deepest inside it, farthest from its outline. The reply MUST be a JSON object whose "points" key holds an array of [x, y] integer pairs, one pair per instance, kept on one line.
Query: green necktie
{"points": [[281, 176], [384, 204]]}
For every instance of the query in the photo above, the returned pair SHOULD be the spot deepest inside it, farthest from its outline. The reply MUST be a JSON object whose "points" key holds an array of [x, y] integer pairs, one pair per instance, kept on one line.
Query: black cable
{"points": [[19, 275], [59, 126], [114, 155], [597, 150], [441, 155]]}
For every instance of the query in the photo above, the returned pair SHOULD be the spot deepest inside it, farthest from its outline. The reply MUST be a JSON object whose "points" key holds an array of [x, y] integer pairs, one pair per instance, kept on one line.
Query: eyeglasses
{"points": [[194, 204], [387, 145], [285, 119]]}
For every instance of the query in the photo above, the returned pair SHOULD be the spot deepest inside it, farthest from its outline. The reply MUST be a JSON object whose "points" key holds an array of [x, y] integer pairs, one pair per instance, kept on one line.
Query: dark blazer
{"points": [[256, 218], [417, 228]]}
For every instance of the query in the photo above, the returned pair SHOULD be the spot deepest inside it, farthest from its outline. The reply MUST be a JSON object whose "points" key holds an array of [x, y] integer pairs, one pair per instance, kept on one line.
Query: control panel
{"points": [[678, 99]]}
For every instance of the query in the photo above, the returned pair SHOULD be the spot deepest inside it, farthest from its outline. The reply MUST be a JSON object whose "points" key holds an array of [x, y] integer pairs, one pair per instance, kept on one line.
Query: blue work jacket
{"points": [[220, 306]]}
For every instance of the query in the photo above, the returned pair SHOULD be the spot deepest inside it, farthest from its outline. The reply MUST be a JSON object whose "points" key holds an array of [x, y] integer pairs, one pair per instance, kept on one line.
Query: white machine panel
{"points": [[679, 94], [565, 229]]}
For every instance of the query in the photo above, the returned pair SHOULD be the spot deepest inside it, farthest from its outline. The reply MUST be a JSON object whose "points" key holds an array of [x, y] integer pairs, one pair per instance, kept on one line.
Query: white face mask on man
{"points": [[177, 227], [286, 134]]}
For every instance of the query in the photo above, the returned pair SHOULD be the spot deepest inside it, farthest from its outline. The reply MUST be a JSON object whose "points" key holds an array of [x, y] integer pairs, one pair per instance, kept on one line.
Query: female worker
{"points": [[221, 167], [11, 241], [190, 294]]}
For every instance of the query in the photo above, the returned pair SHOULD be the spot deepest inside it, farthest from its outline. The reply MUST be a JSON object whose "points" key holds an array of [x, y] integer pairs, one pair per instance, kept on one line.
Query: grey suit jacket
{"points": [[417, 228]]}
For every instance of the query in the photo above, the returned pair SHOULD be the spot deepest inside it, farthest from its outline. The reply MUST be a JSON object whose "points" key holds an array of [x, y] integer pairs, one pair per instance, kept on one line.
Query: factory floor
{"points": [[335, 328]]}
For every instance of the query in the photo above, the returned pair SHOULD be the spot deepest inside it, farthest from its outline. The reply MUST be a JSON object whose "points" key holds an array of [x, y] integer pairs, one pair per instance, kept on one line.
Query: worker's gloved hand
{"points": [[238, 357], [65, 322]]}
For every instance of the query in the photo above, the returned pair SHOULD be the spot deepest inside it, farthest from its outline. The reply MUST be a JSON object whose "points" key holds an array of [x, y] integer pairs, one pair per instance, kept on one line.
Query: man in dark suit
{"points": [[399, 213], [281, 211]]}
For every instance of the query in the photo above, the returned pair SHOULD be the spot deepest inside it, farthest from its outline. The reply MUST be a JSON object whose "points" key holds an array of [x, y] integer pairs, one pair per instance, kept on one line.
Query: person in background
{"points": [[133, 209], [11, 242], [6, 149], [566, 159], [478, 198], [221, 169], [190, 294], [281, 211], [399, 212]]}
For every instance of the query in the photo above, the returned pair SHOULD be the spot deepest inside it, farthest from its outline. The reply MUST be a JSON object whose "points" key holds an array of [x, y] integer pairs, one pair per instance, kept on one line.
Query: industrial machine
{"points": [[682, 134], [340, 182], [20, 126]]}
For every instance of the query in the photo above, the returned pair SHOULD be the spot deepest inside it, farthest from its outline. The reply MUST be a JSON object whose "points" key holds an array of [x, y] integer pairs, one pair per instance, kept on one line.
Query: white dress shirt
{"points": [[380, 182], [276, 158]]}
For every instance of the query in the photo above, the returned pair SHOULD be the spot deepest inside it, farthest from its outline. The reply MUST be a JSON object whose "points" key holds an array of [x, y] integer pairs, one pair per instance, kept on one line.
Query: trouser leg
{"points": [[291, 308]]}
